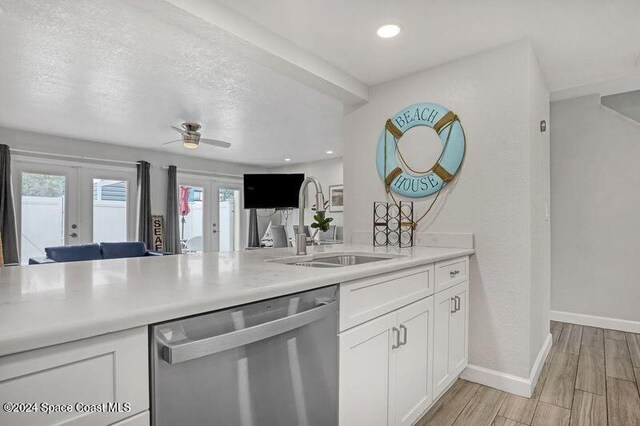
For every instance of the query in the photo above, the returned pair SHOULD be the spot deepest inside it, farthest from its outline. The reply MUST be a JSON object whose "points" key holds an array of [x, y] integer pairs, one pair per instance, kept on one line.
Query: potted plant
{"points": [[321, 223]]}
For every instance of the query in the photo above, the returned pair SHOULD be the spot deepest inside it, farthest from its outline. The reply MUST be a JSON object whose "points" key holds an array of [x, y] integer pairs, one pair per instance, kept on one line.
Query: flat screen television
{"points": [[272, 191]]}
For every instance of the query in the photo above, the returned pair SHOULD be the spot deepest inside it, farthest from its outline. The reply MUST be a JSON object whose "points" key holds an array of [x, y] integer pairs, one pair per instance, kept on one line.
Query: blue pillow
{"points": [[74, 253], [124, 249]]}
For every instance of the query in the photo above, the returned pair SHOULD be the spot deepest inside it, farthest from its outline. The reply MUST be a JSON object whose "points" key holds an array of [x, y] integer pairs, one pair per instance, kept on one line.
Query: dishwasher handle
{"points": [[193, 349]]}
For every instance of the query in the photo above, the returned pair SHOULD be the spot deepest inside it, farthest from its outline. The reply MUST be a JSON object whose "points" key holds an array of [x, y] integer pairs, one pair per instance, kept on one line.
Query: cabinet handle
{"points": [[457, 303], [404, 335], [454, 273], [453, 299], [396, 335]]}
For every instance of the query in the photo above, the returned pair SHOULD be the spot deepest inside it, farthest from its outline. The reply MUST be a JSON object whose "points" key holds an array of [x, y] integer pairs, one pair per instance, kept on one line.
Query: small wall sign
{"points": [[157, 229]]}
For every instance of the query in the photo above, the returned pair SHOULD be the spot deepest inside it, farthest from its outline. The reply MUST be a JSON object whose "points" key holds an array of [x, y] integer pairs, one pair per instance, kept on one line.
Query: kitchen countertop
{"points": [[44, 305]]}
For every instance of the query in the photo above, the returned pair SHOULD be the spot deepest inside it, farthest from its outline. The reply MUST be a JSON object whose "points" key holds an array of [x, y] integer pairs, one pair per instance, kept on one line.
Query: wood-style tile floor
{"points": [[591, 377]]}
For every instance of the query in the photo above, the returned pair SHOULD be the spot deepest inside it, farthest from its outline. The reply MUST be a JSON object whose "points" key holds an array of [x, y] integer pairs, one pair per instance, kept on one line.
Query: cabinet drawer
{"points": [[451, 272], [362, 300], [99, 370]]}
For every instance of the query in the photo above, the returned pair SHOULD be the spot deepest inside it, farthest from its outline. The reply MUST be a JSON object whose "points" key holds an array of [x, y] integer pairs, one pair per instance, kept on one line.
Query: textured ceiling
{"points": [[577, 42], [123, 71]]}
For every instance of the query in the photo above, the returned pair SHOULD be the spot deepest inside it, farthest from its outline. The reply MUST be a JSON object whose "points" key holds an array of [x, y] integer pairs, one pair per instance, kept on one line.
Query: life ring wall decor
{"points": [[417, 183]]}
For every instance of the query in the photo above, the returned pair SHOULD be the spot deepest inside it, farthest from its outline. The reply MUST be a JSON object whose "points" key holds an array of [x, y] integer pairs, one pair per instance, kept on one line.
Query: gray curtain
{"points": [[8, 228], [144, 204], [172, 222], [254, 238]]}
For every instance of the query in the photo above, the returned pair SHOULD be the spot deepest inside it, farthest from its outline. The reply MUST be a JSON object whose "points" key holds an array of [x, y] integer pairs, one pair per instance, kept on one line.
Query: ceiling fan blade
{"points": [[170, 142], [214, 142], [179, 130]]}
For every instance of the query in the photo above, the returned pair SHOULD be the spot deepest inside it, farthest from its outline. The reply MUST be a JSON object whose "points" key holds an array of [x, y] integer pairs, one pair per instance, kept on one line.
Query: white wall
{"points": [[595, 194], [494, 94], [60, 145], [540, 204], [329, 172]]}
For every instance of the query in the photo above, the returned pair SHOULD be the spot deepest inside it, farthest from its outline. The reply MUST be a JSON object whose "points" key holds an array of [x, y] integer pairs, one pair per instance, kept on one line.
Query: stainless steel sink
{"points": [[334, 260]]}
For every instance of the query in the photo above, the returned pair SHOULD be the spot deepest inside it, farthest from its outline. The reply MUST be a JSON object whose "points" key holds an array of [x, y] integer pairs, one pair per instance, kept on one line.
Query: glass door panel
{"points": [[43, 213], [46, 207], [229, 219], [107, 203], [109, 210]]}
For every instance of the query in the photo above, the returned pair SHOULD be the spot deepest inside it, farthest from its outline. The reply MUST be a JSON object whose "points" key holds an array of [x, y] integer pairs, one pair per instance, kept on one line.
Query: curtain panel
{"points": [[254, 238], [144, 204], [172, 224], [8, 229]]}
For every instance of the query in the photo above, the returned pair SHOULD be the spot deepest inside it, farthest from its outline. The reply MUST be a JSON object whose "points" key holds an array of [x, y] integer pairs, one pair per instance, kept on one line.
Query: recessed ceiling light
{"points": [[388, 31], [287, 159], [329, 152]]}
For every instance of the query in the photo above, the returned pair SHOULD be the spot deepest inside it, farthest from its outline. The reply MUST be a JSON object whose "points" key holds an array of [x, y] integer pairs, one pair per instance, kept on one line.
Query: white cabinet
{"points": [[451, 272], [368, 298], [413, 384], [365, 359], [451, 335], [78, 377], [385, 367]]}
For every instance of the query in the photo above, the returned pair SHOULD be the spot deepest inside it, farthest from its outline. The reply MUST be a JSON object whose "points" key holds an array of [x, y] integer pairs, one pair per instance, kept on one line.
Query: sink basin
{"points": [[334, 260]]}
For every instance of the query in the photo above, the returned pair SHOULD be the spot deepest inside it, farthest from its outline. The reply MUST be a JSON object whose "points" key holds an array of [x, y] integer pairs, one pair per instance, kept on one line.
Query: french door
{"points": [[60, 204], [211, 216]]}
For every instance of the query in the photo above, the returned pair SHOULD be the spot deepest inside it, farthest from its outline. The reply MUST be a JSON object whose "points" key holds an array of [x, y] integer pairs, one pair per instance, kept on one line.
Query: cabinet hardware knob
{"points": [[404, 335], [454, 273]]}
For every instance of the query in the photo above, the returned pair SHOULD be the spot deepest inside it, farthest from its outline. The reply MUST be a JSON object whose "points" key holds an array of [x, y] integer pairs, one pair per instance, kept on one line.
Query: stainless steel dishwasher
{"points": [[273, 362]]}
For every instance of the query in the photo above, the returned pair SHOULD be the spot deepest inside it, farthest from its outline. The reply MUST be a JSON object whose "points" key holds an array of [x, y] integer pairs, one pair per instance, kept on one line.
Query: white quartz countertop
{"points": [[43, 305]]}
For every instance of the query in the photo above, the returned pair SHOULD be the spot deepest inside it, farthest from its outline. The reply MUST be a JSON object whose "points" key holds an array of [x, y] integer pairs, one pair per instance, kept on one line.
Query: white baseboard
{"points": [[508, 382], [595, 321]]}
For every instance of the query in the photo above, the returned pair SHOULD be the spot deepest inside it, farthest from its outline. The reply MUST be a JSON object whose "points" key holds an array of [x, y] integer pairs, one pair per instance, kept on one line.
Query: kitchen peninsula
{"points": [[80, 331]]}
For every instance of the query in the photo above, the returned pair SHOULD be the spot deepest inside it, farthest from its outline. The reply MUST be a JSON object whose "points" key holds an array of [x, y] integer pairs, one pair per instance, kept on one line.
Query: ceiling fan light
{"points": [[190, 144]]}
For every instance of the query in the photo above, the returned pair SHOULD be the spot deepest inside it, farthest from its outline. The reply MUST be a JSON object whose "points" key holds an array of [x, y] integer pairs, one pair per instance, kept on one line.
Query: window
{"points": [[109, 210]]}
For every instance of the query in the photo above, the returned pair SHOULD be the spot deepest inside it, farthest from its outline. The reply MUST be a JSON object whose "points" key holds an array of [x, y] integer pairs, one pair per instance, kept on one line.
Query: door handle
{"points": [[73, 235], [404, 335], [396, 335], [453, 299], [457, 303], [175, 353]]}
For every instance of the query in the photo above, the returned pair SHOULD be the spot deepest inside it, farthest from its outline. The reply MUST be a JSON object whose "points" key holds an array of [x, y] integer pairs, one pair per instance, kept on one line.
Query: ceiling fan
{"points": [[191, 138]]}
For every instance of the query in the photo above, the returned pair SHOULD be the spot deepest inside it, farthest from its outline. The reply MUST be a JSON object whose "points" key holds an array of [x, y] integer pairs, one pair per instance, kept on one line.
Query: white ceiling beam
{"points": [[602, 88], [278, 53]]}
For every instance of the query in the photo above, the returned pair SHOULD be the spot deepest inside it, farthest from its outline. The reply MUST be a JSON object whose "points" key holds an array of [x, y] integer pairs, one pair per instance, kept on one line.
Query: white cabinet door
{"points": [[444, 305], [413, 387], [365, 360], [107, 369], [450, 337], [459, 330]]}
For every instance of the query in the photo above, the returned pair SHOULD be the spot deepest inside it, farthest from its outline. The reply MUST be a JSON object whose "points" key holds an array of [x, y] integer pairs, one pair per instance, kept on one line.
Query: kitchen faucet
{"points": [[301, 236]]}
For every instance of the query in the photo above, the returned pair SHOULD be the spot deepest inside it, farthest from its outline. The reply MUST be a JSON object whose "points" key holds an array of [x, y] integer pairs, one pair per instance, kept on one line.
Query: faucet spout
{"points": [[301, 236]]}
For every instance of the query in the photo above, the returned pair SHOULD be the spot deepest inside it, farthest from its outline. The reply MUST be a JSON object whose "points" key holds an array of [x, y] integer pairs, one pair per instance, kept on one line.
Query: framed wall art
{"points": [[336, 198]]}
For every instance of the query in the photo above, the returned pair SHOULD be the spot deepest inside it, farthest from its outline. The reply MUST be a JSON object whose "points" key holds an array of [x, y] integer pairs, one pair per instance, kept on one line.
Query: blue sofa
{"points": [[93, 252]]}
